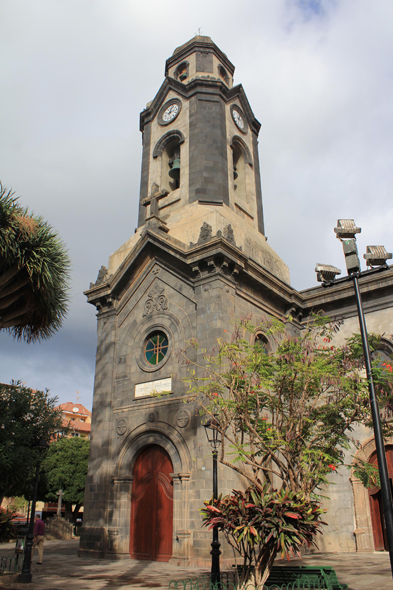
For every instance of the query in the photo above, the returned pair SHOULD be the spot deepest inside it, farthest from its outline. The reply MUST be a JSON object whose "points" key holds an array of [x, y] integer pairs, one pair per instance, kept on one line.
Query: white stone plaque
{"points": [[151, 387]]}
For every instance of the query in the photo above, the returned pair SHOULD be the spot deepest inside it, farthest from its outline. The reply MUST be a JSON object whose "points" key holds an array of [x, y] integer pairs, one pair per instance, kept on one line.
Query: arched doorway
{"points": [[152, 506], [378, 527]]}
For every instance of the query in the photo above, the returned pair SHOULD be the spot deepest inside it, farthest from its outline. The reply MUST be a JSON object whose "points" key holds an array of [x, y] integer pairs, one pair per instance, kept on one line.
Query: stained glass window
{"points": [[156, 347]]}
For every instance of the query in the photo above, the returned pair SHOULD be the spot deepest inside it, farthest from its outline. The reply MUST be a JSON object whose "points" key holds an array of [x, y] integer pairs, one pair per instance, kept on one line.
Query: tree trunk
{"points": [[265, 563]]}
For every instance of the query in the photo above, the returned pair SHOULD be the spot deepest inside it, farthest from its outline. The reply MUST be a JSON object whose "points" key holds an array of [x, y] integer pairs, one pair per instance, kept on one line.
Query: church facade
{"points": [[198, 262]]}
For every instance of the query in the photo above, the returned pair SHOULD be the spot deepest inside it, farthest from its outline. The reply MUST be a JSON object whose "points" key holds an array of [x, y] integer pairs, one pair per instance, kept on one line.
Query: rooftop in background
{"points": [[77, 418]]}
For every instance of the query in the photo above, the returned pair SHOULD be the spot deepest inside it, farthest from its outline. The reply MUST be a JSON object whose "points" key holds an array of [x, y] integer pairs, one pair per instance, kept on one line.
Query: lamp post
{"points": [[214, 438], [376, 257], [26, 575]]}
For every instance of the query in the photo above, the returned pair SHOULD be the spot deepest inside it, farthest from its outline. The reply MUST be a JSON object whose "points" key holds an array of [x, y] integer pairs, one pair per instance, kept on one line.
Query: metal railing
{"points": [[229, 582], [10, 564]]}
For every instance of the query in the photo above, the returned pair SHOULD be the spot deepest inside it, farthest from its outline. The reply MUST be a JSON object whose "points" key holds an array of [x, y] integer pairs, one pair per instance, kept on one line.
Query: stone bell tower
{"points": [[197, 263]]}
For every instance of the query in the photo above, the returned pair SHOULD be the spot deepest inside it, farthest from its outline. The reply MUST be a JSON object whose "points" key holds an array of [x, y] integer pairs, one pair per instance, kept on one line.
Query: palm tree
{"points": [[34, 273]]}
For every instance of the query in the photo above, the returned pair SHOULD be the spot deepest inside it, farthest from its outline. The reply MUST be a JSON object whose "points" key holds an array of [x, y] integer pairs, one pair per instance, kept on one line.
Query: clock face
{"points": [[170, 113], [238, 118]]}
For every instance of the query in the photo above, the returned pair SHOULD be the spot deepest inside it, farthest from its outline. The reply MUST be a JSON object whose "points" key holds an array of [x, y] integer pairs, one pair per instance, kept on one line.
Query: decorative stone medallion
{"points": [[121, 426], [156, 300], [151, 417], [183, 418]]}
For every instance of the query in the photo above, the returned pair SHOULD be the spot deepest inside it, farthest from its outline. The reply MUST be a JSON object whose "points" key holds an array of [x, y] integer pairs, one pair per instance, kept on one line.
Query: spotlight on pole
{"points": [[326, 272], [376, 256], [346, 231], [346, 228]]}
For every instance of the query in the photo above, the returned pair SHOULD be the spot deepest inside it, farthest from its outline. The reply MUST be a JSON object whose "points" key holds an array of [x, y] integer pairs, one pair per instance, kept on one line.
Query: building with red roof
{"points": [[77, 418]]}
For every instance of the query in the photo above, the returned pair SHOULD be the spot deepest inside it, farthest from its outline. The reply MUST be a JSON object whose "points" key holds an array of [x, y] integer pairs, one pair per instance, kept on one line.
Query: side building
{"points": [[76, 418], [198, 262]]}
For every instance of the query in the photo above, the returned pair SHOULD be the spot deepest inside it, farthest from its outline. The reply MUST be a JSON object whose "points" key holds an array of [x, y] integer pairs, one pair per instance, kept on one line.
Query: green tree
{"points": [[26, 417], [65, 468], [34, 273], [287, 414]]}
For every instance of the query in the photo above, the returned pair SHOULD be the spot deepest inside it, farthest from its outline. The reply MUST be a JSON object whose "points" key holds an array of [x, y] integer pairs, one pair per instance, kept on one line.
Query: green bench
{"points": [[322, 577]]}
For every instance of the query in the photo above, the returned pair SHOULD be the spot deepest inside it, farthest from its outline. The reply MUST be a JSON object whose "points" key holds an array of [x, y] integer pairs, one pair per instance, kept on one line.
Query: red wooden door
{"points": [[152, 506], [377, 518]]}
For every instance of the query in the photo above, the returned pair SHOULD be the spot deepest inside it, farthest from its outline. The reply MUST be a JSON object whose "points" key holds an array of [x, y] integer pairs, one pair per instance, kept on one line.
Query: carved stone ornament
{"points": [[156, 300], [229, 235], [121, 426], [151, 417], [102, 275], [206, 233], [183, 418]]}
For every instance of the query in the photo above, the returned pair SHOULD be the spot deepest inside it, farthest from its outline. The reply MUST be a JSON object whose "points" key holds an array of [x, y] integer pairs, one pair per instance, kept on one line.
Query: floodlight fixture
{"points": [[326, 272], [351, 255], [346, 228], [376, 256]]}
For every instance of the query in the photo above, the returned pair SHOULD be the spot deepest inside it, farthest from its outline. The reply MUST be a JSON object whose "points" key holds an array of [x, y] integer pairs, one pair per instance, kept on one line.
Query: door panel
{"points": [[152, 506], [377, 517]]}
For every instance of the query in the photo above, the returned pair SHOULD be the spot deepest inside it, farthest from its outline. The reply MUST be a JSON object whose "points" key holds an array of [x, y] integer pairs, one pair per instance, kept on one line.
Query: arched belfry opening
{"points": [[241, 157], [168, 148], [170, 167], [239, 176], [151, 527]]}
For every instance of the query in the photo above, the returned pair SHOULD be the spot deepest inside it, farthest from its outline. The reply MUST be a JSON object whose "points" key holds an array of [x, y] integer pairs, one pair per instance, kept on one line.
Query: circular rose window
{"points": [[156, 347]]}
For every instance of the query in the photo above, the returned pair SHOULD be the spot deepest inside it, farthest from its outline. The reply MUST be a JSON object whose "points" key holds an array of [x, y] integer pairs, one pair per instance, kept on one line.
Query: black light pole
{"points": [[376, 256], [214, 438], [26, 576]]}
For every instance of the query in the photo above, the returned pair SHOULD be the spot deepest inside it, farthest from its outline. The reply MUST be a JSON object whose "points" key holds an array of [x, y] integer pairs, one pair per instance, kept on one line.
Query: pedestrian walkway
{"points": [[64, 570]]}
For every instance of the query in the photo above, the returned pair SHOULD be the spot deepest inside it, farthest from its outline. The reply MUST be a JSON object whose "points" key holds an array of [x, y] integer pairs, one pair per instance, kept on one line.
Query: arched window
{"points": [[170, 168], [241, 156], [261, 341], [181, 72], [239, 176], [384, 352], [168, 148], [223, 74]]}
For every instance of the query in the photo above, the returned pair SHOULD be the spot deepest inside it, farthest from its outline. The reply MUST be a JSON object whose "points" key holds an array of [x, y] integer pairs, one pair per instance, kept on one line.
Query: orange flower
{"points": [[333, 467]]}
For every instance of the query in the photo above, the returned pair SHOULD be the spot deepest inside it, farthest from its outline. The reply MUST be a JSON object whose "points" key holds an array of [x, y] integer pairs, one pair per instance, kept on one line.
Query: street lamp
{"points": [[26, 576], [376, 257], [214, 438]]}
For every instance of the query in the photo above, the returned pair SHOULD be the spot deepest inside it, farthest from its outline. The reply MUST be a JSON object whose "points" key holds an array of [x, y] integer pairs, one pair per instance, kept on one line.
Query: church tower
{"points": [[197, 263]]}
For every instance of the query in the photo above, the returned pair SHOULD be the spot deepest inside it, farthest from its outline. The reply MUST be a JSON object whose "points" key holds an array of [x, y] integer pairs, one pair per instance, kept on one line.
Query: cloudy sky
{"points": [[74, 76]]}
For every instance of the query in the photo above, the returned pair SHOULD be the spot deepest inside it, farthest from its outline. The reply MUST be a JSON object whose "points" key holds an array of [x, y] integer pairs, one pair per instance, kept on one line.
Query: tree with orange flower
{"points": [[286, 407]]}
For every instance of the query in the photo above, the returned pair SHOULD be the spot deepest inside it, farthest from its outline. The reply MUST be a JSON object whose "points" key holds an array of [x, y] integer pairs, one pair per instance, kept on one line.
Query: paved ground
{"points": [[63, 570]]}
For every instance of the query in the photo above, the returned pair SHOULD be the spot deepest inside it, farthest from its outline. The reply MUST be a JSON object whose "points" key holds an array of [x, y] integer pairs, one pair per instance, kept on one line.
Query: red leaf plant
{"points": [[260, 524]]}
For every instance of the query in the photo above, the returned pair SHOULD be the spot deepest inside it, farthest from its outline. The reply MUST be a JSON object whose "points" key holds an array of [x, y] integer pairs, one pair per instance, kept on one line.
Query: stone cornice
{"points": [[219, 258], [203, 85]]}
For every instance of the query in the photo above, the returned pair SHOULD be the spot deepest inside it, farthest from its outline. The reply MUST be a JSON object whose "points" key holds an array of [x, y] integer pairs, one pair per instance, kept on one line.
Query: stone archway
{"points": [[173, 445], [363, 518]]}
